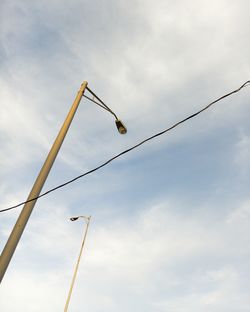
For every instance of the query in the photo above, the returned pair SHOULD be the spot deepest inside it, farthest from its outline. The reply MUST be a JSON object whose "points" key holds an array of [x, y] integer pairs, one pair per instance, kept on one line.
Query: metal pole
{"points": [[77, 265], [23, 218]]}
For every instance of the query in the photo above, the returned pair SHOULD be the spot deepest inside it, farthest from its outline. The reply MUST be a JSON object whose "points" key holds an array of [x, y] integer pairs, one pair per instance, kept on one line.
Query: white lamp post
{"points": [[87, 219]]}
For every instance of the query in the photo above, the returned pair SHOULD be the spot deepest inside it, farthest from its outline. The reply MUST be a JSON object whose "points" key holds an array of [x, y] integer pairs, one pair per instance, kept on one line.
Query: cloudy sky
{"points": [[170, 227]]}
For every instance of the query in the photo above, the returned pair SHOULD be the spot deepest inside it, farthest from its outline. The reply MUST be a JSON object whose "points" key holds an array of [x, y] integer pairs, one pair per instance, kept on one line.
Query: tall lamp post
{"points": [[23, 218], [87, 219]]}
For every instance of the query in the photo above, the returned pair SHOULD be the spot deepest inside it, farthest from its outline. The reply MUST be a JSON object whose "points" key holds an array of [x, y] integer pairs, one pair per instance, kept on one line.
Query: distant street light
{"points": [[23, 218], [87, 219]]}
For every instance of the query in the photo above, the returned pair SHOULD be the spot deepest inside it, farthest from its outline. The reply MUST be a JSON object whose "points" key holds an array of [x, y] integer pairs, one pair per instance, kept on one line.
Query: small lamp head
{"points": [[74, 218], [120, 126]]}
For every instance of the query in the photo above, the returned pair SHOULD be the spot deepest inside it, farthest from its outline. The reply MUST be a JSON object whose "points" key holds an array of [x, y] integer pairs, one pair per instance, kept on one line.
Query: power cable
{"points": [[129, 149]]}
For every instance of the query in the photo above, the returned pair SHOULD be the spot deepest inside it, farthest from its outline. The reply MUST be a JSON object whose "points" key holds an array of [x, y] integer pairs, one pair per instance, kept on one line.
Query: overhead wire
{"points": [[129, 149]]}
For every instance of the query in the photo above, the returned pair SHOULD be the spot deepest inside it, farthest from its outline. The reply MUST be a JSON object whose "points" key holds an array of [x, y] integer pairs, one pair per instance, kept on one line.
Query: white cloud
{"points": [[242, 153]]}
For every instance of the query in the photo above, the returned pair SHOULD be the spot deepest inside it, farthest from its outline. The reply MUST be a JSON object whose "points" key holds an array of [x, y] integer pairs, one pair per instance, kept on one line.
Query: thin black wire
{"points": [[129, 149], [102, 102], [87, 97]]}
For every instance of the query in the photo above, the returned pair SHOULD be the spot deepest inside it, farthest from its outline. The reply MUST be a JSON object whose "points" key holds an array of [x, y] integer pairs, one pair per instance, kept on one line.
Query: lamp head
{"points": [[120, 126], [74, 218]]}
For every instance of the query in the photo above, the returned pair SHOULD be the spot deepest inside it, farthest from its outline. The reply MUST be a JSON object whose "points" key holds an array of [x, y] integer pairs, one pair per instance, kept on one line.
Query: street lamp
{"points": [[87, 219], [23, 218]]}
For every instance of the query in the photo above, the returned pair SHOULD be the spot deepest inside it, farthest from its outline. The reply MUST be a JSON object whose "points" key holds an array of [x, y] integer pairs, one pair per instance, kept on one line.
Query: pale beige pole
{"points": [[78, 260], [28, 207]]}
